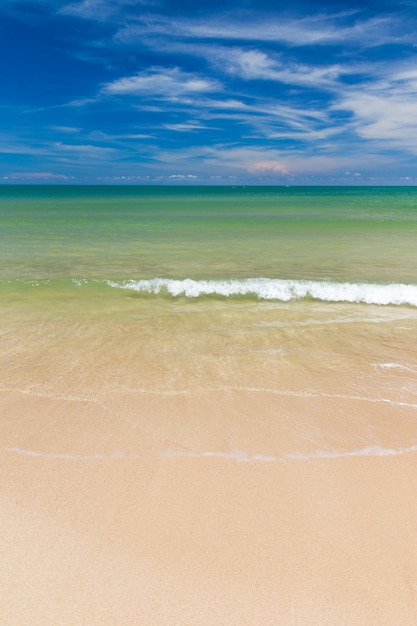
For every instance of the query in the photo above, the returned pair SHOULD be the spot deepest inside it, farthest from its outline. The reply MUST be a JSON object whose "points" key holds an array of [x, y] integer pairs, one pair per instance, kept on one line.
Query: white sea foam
{"points": [[394, 366], [239, 455], [73, 457], [235, 455], [334, 454], [278, 289]]}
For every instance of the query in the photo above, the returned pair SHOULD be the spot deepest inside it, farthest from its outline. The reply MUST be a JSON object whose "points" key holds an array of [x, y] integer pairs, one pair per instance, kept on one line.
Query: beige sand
{"points": [[272, 498], [105, 524]]}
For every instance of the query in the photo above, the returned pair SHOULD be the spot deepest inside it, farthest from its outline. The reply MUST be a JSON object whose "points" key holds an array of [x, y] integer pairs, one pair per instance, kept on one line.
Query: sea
{"points": [[303, 295]]}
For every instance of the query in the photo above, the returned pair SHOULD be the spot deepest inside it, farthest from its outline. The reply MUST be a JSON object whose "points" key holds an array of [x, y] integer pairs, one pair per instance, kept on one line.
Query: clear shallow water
{"points": [[203, 233], [107, 293]]}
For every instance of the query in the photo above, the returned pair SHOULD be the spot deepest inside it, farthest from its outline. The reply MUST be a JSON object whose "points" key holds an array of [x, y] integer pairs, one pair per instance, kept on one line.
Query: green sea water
{"points": [[300, 293], [118, 233]]}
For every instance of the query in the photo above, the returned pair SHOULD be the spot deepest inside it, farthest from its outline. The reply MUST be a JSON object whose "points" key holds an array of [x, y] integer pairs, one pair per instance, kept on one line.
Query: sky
{"points": [[209, 92]]}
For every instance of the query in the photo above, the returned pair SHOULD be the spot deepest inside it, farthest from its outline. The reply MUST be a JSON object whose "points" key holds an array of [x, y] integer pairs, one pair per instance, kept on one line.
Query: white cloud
{"points": [[100, 136], [186, 127], [251, 64], [226, 105], [269, 167], [245, 63], [80, 102], [385, 110], [45, 176], [68, 153], [88, 9], [318, 29], [84, 150], [100, 10], [270, 119], [66, 129], [182, 176], [161, 82], [256, 160], [306, 31]]}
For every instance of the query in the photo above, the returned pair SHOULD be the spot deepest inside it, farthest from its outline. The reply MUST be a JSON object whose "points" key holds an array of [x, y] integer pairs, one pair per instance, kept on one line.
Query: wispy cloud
{"points": [[254, 64], [161, 82], [86, 150], [385, 109], [42, 176], [101, 10], [182, 176], [267, 118], [318, 29], [66, 129], [191, 126], [261, 161], [270, 167], [55, 150]]}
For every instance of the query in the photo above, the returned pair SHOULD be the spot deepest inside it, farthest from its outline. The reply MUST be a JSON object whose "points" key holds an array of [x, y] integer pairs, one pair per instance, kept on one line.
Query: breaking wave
{"points": [[277, 289]]}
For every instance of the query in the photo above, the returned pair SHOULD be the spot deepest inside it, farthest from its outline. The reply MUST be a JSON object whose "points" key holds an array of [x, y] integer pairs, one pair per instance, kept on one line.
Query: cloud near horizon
{"points": [[268, 166]]}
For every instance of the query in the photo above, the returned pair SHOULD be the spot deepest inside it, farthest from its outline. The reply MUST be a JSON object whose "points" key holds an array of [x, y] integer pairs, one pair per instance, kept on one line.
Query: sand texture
{"points": [[213, 478]]}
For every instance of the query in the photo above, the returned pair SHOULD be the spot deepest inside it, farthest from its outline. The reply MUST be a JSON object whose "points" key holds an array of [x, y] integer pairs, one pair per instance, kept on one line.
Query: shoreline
{"points": [[208, 465]]}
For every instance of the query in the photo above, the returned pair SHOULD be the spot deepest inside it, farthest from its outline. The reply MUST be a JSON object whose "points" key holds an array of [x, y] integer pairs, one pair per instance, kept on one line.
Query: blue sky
{"points": [[209, 92]]}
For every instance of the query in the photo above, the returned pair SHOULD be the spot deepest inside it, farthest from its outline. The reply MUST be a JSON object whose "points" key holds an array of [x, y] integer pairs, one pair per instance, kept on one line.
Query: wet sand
{"points": [[266, 488]]}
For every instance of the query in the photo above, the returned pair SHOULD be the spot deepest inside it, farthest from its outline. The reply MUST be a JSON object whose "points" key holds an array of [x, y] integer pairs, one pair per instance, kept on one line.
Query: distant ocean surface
{"points": [[352, 244]]}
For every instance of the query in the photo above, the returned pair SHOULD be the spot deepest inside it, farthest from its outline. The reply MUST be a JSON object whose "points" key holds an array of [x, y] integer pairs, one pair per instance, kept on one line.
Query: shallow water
{"points": [[301, 301]]}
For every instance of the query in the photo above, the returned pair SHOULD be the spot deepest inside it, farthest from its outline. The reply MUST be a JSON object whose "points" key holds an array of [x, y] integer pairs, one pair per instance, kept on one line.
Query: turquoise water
{"points": [[224, 235], [306, 291]]}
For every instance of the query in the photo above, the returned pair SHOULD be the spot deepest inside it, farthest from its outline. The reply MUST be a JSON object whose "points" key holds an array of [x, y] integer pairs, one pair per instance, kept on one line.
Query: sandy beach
{"points": [[104, 538], [291, 504], [208, 406]]}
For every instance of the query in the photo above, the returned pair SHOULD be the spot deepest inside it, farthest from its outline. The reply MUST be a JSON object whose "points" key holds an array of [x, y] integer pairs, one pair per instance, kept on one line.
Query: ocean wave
{"points": [[277, 289]]}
